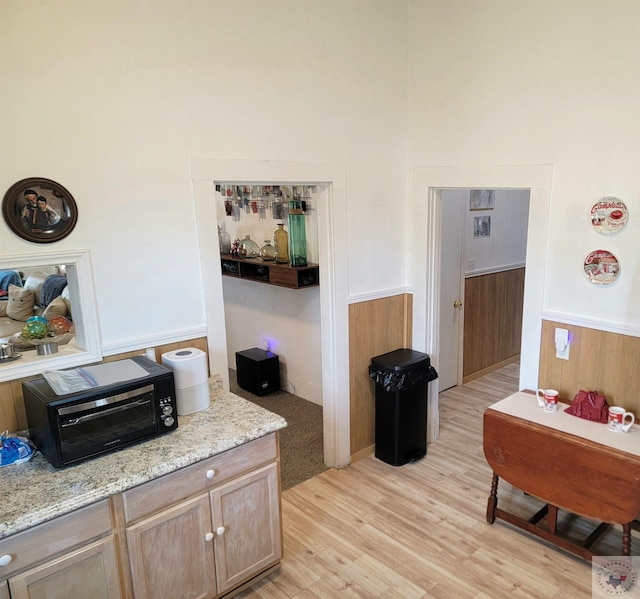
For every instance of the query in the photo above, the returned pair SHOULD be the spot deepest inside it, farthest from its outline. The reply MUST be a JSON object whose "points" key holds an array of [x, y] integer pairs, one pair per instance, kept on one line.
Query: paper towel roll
{"points": [[189, 366], [191, 378]]}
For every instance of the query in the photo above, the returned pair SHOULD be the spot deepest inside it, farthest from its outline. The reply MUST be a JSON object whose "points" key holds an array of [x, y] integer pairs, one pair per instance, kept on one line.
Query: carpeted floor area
{"points": [[301, 449]]}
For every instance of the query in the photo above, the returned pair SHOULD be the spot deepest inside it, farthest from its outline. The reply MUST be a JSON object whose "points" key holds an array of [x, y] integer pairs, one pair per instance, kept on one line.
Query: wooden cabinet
{"points": [[246, 516], [197, 533], [171, 553], [208, 528], [90, 572], [282, 275], [71, 557]]}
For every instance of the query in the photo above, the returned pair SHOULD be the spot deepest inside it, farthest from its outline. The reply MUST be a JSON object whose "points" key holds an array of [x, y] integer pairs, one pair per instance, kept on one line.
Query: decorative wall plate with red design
{"points": [[609, 216], [602, 267]]}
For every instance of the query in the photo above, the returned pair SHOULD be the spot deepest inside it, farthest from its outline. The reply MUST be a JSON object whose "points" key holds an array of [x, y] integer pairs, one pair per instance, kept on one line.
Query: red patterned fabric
{"points": [[590, 405]]}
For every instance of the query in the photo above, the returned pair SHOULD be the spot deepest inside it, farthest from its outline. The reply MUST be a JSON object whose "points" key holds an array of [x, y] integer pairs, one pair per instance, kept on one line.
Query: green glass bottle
{"points": [[297, 235]]}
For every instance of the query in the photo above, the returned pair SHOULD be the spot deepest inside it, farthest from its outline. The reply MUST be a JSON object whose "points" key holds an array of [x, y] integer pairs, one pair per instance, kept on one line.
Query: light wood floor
{"points": [[373, 530]]}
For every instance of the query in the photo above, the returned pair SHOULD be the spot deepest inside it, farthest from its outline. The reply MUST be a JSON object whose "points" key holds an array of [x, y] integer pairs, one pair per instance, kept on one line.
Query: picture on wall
{"points": [[482, 199], [481, 226]]}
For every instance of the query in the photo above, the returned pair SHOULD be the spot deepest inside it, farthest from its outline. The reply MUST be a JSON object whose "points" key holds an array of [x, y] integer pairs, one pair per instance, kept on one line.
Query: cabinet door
{"points": [[246, 517], [87, 573], [4, 590], [171, 553]]}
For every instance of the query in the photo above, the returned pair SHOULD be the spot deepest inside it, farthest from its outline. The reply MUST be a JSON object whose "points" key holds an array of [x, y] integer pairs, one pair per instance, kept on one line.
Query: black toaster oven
{"points": [[133, 400]]}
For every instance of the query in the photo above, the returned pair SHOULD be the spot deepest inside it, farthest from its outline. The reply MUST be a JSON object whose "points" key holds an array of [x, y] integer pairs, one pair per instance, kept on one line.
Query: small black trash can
{"points": [[401, 378]]}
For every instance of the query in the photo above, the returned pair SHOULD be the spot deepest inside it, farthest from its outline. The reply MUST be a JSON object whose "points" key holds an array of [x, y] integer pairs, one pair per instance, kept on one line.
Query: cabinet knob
{"points": [[220, 530], [5, 560], [208, 537], [210, 473]]}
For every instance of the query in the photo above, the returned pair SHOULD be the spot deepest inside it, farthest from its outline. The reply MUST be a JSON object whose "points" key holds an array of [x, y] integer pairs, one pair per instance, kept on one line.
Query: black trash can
{"points": [[401, 378]]}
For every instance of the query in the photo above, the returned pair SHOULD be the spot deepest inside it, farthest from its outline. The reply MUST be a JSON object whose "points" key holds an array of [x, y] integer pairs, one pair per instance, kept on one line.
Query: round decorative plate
{"points": [[602, 267], [609, 215]]}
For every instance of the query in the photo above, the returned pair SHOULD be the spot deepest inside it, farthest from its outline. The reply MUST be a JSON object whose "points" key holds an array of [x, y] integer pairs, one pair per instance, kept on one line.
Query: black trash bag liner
{"points": [[403, 380]]}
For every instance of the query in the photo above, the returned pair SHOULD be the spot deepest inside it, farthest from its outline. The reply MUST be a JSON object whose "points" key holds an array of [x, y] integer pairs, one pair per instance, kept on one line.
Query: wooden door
{"points": [[87, 573], [4, 590], [246, 518], [171, 553]]}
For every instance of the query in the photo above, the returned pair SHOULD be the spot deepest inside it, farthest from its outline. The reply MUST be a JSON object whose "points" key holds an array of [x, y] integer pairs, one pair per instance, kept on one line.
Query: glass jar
{"points": [[267, 251], [281, 239], [248, 248], [224, 240], [297, 234]]}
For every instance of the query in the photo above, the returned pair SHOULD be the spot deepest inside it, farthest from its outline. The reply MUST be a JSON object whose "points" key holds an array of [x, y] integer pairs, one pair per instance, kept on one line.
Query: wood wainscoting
{"points": [[598, 361], [492, 321], [375, 328], [12, 413]]}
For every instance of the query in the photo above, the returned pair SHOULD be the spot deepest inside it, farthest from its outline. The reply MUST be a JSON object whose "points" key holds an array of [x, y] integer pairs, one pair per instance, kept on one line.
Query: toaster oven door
{"points": [[102, 424]]}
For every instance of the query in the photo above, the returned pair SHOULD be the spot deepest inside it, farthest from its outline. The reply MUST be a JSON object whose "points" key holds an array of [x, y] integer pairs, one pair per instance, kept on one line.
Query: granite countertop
{"points": [[35, 492]]}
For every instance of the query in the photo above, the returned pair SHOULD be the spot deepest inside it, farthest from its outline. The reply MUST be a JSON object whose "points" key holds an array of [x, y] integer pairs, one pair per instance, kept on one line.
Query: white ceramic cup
{"points": [[548, 399], [618, 419]]}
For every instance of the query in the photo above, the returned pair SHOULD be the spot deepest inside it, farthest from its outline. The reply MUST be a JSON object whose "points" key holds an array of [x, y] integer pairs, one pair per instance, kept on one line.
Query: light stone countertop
{"points": [[35, 492]]}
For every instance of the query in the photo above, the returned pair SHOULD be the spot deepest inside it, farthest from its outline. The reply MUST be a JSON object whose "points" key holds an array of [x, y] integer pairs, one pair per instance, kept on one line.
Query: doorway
{"points": [[332, 222], [484, 238], [427, 246]]}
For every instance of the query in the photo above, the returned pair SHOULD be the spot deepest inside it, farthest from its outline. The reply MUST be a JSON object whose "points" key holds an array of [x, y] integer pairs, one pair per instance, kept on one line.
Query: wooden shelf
{"points": [[271, 273]]}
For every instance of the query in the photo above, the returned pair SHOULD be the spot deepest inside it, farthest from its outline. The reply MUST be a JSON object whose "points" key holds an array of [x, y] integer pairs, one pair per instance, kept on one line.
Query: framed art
{"points": [[39, 210], [482, 199], [481, 226]]}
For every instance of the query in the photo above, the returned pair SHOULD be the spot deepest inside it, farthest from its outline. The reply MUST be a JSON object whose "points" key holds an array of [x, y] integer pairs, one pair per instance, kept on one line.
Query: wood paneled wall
{"points": [[12, 413], [598, 361], [375, 328], [492, 320]]}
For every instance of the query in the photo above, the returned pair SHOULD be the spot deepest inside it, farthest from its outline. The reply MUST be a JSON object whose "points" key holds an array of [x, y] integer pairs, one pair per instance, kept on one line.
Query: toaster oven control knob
{"points": [[166, 410], [5, 560], [168, 421]]}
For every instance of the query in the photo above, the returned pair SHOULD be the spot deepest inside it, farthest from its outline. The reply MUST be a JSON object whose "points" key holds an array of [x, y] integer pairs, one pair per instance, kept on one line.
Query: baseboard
{"points": [[488, 369], [363, 453]]}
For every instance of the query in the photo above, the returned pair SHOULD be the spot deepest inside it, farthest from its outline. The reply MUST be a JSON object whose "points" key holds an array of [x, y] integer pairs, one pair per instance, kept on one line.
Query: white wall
{"points": [[505, 84], [506, 247], [114, 100]]}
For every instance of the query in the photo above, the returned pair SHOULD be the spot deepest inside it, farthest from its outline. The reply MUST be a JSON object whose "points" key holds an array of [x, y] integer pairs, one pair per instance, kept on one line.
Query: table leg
{"points": [[493, 500], [626, 539]]}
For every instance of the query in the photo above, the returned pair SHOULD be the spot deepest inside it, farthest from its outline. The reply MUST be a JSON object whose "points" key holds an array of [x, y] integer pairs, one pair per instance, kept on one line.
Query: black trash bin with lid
{"points": [[401, 378]]}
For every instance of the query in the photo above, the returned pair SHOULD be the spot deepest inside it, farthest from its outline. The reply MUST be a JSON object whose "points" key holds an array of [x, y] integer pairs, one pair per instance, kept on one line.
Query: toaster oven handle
{"points": [[96, 415]]}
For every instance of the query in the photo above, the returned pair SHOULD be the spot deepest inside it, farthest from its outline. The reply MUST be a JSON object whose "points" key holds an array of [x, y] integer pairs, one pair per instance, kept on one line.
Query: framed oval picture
{"points": [[39, 210]]}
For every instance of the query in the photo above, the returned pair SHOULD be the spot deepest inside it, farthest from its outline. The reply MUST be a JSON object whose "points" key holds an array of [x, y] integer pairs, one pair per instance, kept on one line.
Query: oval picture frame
{"points": [[39, 210]]}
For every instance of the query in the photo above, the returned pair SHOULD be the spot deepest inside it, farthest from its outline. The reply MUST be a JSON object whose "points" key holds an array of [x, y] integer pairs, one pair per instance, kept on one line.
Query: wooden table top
{"points": [[525, 405]]}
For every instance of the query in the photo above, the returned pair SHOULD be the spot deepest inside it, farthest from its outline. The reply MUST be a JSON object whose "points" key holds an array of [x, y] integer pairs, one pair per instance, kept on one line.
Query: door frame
{"points": [[427, 258], [334, 308]]}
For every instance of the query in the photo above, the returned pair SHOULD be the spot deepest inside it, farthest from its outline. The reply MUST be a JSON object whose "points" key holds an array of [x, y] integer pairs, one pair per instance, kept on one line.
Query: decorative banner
{"points": [[602, 267], [609, 216]]}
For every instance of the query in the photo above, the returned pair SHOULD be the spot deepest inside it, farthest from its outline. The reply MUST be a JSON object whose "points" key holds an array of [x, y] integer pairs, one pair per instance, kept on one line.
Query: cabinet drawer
{"points": [[57, 536], [197, 478]]}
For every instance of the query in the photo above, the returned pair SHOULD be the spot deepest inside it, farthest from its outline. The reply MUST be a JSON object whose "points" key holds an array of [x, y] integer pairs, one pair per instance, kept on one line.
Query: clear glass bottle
{"points": [[267, 251], [297, 234], [281, 240], [224, 239], [248, 248]]}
